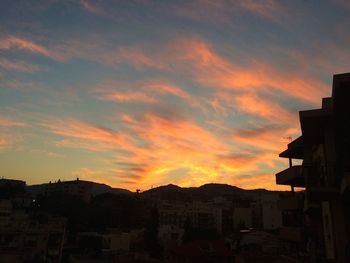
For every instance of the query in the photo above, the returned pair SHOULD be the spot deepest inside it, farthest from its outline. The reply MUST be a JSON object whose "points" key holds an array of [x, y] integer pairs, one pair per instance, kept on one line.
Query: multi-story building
{"points": [[201, 215], [5, 212], [265, 212], [112, 240], [28, 238], [324, 173], [169, 237], [242, 217], [271, 215]]}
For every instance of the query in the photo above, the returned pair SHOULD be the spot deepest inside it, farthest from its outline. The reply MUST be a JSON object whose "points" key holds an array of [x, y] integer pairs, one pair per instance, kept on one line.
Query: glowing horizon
{"points": [[137, 94]]}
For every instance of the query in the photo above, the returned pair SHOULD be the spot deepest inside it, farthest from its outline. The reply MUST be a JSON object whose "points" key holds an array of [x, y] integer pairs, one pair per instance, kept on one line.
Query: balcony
{"points": [[295, 149], [295, 234], [290, 203], [291, 176]]}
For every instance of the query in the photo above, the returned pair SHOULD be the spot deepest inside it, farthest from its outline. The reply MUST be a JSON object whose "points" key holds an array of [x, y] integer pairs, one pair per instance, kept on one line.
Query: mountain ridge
{"points": [[170, 191]]}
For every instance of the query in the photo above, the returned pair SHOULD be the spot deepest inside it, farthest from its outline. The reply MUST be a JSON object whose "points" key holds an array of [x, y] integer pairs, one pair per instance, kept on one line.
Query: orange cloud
{"points": [[146, 91], [9, 136], [127, 118], [272, 138], [265, 181], [166, 145], [22, 43], [166, 88], [6, 141], [6, 122], [235, 163], [104, 176], [271, 111], [197, 59], [180, 144], [210, 69], [133, 56], [155, 148], [21, 66], [217, 106], [191, 56], [86, 135], [87, 5], [163, 87], [128, 96]]}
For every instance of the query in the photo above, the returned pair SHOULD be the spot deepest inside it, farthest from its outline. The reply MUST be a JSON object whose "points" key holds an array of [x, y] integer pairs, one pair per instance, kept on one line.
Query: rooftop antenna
{"points": [[289, 138]]}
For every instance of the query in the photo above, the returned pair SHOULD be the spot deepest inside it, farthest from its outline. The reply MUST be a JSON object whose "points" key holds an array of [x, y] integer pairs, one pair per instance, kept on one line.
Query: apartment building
{"points": [[324, 174], [108, 241], [265, 212], [201, 215], [29, 238]]}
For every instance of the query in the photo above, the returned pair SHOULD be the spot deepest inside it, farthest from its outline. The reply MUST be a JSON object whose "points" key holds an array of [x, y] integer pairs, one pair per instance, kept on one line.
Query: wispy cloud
{"points": [[80, 134], [19, 65], [149, 91], [226, 11], [9, 137], [258, 106], [267, 8], [192, 57], [134, 56], [197, 59], [6, 141], [255, 181], [127, 96], [165, 88], [91, 7], [266, 137], [211, 69], [8, 122], [13, 42], [20, 85]]}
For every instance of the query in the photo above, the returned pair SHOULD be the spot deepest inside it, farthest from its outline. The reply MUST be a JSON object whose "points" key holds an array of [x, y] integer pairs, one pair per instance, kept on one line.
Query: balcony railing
{"points": [[291, 176]]}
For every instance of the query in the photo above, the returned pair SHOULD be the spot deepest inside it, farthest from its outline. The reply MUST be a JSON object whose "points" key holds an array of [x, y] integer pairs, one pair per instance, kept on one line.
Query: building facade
{"points": [[324, 174], [28, 238]]}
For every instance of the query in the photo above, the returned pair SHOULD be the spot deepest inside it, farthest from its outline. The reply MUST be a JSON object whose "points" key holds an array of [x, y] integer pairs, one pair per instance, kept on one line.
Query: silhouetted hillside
{"points": [[213, 189], [103, 188], [97, 189], [204, 192], [173, 192], [168, 192]]}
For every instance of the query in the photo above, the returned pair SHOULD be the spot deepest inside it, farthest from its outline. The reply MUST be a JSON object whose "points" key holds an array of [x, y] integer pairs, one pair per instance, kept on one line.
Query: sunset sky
{"points": [[144, 93]]}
